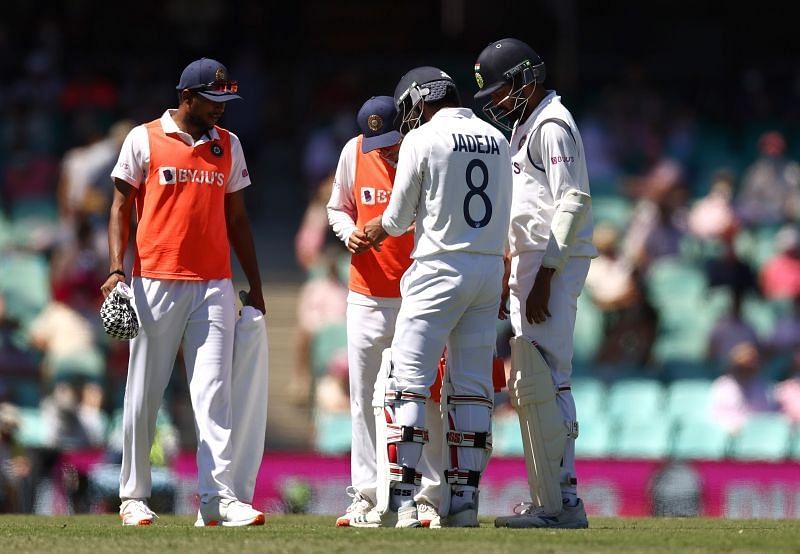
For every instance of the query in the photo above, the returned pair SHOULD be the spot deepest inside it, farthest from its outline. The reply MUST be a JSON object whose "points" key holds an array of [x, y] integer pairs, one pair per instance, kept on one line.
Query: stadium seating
{"points": [[613, 209], [679, 369], [32, 430], [641, 437], [699, 439], [325, 344], [687, 400], [506, 435], [764, 437], [25, 284], [588, 330], [635, 399], [594, 437], [590, 395], [332, 432], [795, 445]]}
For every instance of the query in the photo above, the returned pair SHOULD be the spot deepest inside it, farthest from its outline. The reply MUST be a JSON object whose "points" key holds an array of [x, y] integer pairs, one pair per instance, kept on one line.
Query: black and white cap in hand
{"points": [[118, 315]]}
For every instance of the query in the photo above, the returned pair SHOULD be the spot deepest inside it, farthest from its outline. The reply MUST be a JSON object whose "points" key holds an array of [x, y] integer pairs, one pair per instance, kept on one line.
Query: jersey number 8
{"points": [[479, 192]]}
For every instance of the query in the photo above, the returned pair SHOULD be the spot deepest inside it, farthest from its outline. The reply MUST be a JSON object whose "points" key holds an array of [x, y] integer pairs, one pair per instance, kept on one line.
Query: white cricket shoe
{"points": [[359, 506], [136, 512], [404, 517], [227, 512], [428, 516], [570, 517]]}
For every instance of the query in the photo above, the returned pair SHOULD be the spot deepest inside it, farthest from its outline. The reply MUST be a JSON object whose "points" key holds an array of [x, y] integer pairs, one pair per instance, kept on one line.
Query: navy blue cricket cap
{"points": [[377, 120], [209, 79]]}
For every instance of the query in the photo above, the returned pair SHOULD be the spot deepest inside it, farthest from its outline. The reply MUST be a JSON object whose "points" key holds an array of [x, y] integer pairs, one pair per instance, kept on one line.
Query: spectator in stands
{"points": [[73, 371], [322, 301], [332, 392], [83, 180], [658, 224], [785, 337], [727, 269], [770, 191], [15, 361], [741, 391], [787, 392], [15, 465], [77, 270], [315, 232], [712, 217], [630, 322], [780, 275], [729, 331]]}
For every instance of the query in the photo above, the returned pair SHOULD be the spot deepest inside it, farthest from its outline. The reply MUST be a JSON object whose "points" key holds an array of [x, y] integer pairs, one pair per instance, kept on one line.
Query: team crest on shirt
{"points": [[522, 141], [167, 175], [368, 196], [217, 150]]}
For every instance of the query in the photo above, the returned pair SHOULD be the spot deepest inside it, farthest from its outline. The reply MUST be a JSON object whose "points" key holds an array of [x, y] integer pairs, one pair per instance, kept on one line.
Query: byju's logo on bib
{"points": [[368, 196], [167, 175]]}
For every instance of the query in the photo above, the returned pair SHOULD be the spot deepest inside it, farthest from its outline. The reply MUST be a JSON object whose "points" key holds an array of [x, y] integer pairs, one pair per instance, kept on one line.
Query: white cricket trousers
{"points": [[201, 316], [555, 335], [369, 332], [249, 392], [450, 300]]}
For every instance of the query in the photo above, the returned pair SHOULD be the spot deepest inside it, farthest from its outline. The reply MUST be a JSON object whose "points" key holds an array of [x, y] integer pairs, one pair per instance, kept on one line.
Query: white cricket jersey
{"points": [[341, 207], [454, 179], [548, 160], [134, 156]]}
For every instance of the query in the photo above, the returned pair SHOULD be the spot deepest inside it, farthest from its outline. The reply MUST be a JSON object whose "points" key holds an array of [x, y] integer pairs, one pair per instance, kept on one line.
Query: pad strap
{"points": [[455, 399], [466, 477], [403, 474], [393, 396], [405, 433], [469, 439]]}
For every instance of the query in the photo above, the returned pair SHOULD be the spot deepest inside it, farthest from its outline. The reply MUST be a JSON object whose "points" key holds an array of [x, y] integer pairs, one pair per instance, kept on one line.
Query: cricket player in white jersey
{"points": [[550, 251], [362, 187], [454, 179], [185, 176]]}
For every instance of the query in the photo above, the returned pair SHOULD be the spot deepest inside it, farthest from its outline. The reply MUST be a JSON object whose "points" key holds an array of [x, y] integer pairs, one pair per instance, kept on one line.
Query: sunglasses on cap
{"points": [[217, 86]]}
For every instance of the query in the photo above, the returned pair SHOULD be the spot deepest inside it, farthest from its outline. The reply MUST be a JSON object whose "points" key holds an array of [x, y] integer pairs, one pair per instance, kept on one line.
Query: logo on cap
{"points": [[219, 75], [478, 77], [375, 122]]}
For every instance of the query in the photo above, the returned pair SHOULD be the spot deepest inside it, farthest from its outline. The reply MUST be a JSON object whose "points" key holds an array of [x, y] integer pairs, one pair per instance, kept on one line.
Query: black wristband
{"points": [[117, 272]]}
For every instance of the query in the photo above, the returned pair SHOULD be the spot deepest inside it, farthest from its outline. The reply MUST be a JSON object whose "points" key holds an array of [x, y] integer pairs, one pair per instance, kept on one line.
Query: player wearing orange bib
{"points": [[186, 177]]}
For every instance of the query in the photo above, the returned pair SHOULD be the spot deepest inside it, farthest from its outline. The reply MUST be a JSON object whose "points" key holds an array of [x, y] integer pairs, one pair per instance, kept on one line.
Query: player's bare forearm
{"points": [[119, 228], [537, 304], [241, 238]]}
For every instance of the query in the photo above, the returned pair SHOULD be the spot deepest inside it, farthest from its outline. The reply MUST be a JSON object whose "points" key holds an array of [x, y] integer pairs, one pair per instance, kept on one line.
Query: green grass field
{"points": [[99, 534], [174, 534]]}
